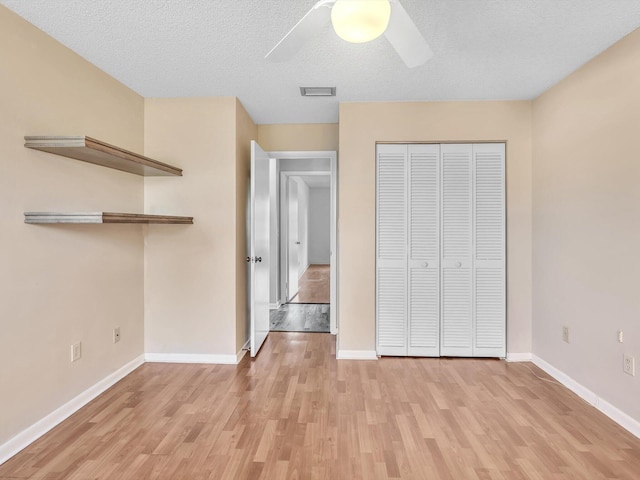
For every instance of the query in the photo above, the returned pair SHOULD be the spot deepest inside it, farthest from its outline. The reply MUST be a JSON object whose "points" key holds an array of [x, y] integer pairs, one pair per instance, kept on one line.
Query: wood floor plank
{"points": [[295, 412], [313, 286]]}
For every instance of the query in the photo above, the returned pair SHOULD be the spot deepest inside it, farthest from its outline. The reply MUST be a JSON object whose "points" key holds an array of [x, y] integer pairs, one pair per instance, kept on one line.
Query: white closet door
{"points": [[489, 251], [456, 260], [391, 250], [424, 250]]}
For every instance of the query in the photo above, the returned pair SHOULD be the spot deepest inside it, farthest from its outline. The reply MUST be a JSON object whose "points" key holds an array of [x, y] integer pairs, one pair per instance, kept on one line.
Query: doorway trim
{"points": [[287, 293], [282, 232]]}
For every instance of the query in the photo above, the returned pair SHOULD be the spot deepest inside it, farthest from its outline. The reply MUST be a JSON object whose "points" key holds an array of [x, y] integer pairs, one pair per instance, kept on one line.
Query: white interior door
{"points": [[259, 227], [293, 243], [423, 307], [489, 251], [456, 258], [391, 250], [440, 250]]}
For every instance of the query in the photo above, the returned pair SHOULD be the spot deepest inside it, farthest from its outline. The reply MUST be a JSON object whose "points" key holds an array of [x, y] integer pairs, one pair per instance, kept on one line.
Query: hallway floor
{"points": [[294, 317], [313, 286]]}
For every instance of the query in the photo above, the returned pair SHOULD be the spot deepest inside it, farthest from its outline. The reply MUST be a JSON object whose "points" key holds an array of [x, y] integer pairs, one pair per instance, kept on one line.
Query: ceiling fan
{"points": [[358, 21]]}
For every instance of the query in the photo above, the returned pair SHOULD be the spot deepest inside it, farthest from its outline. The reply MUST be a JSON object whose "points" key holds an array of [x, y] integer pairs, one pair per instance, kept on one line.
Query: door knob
{"points": [[248, 259], [425, 264], [258, 259], [458, 264]]}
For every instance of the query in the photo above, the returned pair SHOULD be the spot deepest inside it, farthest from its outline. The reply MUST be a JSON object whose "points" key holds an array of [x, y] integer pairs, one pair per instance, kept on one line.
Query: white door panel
{"points": [[259, 227], [423, 250], [391, 248], [489, 251], [456, 234]]}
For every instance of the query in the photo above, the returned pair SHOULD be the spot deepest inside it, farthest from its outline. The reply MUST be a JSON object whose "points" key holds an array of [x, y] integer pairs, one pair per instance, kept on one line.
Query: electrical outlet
{"points": [[116, 335], [76, 351], [620, 336], [565, 334], [629, 366]]}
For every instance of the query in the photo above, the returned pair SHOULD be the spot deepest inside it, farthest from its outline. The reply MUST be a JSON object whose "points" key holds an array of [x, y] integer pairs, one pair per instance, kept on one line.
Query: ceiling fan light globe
{"points": [[360, 21]]}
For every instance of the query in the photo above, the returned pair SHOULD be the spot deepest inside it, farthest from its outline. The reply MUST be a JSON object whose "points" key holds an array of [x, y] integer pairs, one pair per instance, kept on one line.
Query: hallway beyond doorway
{"points": [[313, 286]]}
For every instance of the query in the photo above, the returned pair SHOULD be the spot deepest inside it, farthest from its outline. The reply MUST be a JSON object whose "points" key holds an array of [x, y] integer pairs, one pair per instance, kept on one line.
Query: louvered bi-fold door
{"points": [[489, 286], [391, 250], [456, 252], [440, 266], [423, 303]]}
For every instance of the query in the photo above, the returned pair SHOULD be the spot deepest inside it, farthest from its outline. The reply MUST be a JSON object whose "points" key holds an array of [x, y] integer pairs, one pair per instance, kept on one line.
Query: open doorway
{"points": [[308, 242], [304, 239]]}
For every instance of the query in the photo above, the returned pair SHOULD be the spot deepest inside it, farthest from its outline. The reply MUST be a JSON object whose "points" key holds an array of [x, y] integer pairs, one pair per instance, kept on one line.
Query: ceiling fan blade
{"points": [[405, 37], [309, 26]]}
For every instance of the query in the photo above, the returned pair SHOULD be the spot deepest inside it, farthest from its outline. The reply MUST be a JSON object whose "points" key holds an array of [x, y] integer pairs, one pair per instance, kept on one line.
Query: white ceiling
{"points": [[484, 49]]}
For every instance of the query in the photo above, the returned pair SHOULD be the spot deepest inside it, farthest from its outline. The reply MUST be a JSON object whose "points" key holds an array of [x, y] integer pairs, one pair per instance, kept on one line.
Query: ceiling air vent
{"points": [[318, 91]]}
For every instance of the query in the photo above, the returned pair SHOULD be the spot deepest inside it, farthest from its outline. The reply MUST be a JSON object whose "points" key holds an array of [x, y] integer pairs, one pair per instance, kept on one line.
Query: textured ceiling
{"points": [[484, 49]]}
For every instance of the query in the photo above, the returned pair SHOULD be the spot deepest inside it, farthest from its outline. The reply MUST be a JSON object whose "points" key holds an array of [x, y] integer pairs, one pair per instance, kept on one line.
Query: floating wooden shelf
{"points": [[103, 217], [94, 151]]}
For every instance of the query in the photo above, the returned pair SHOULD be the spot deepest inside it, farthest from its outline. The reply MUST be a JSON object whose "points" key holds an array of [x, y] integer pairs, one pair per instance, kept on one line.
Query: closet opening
{"points": [[440, 250]]}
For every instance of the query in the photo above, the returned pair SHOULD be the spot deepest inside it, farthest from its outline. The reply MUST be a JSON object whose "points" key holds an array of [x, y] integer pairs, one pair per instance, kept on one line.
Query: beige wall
{"points": [[364, 124], [190, 270], [62, 284], [586, 235], [246, 131], [195, 276], [298, 137]]}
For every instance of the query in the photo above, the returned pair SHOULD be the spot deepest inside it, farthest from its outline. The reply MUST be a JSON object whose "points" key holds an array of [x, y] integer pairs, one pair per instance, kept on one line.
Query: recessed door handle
{"points": [[297, 243], [425, 264], [458, 264]]}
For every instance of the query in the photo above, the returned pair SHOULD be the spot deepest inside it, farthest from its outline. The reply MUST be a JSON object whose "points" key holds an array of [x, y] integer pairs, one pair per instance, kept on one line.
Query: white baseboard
{"points": [[42, 426], [614, 413], [192, 358], [519, 357], [357, 355]]}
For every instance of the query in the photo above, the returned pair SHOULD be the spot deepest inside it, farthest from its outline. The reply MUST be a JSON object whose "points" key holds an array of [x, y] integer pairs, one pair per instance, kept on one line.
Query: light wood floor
{"points": [[297, 413], [313, 286]]}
